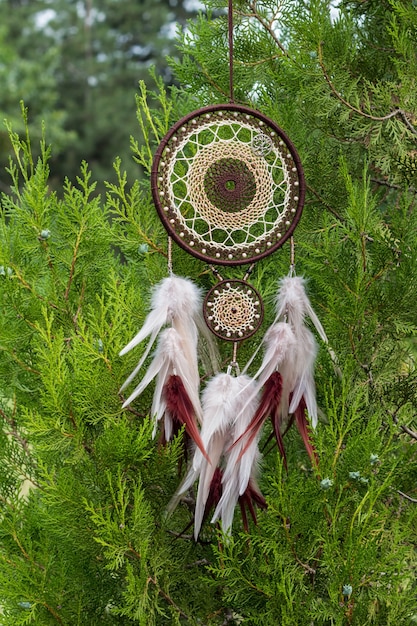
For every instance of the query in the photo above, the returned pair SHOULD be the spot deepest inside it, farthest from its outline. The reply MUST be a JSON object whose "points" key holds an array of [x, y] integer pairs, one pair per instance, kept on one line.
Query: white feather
{"points": [[217, 407], [238, 467], [280, 342], [218, 403], [279, 339], [297, 372], [222, 401], [170, 358], [303, 382], [175, 300], [294, 305]]}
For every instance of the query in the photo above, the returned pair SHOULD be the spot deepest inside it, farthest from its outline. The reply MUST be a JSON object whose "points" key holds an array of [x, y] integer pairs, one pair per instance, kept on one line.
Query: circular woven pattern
{"points": [[233, 310], [236, 195], [228, 184]]}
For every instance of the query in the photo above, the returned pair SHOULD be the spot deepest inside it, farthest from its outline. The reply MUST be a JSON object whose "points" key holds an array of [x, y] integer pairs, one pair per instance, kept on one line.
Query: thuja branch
{"points": [[19, 362], [53, 613], [73, 262], [215, 86], [325, 204], [396, 113], [27, 286], [273, 57], [268, 25], [169, 599], [411, 433]]}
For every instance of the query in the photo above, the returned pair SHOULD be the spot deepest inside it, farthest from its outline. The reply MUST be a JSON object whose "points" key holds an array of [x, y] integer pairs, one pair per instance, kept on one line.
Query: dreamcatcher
{"points": [[229, 189]]}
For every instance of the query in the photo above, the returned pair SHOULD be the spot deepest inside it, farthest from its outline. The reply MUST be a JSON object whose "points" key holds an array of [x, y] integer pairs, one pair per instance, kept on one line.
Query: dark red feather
{"points": [[248, 499], [215, 492], [181, 410], [268, 407], [302, 425], [251, 497]]}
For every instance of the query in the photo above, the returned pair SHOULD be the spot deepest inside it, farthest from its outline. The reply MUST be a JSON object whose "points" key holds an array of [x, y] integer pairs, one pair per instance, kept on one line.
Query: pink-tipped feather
{"points": [[269, 406], [170, 359], [279, 339], [222, 402]]}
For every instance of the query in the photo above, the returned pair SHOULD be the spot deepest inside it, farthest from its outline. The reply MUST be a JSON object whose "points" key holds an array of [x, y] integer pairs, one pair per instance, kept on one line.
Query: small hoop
{"points": [[233, 310]]}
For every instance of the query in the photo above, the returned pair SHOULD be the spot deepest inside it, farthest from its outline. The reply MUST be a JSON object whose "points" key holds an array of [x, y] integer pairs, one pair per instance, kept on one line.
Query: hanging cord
{"points": [[249, 272], [170, 255], [216, 273], [234, 365], [231, 51], [292, 257]]}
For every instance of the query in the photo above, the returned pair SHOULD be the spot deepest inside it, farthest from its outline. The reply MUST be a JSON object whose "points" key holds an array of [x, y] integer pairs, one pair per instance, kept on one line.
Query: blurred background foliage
{"points": [[76, 65]]}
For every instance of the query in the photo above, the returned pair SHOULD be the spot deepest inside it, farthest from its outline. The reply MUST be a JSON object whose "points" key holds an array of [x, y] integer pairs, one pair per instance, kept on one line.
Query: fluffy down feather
{"points": [[297, 371], [175, 301], [240, 464], [279, 340]]}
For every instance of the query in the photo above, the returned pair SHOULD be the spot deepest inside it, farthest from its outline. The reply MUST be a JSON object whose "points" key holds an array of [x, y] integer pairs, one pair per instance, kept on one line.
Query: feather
{"points": [[269, 406], [180, 410], [214, 495], [170, 360], [222, 401], [301, 381], [219, 411], [176, 302], [302, 427], [278, 340], [251, 496], [240, 464], [294, 305], [280, 343]]}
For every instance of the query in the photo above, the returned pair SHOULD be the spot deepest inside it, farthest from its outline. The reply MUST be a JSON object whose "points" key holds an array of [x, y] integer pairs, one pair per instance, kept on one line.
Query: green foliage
{"points": [[76, 64], [326, 533], [84, 536]]}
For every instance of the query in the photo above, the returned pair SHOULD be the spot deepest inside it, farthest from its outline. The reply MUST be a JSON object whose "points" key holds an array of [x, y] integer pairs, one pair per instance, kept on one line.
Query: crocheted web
{"points": [[226, 184], [233, 310]]}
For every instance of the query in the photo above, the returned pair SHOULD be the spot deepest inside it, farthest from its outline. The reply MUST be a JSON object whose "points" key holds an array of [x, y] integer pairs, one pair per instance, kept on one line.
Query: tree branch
{"points": [[325, 204], [396, 113], [169, 599], [411, 433], [268, 26], [407, 497]]}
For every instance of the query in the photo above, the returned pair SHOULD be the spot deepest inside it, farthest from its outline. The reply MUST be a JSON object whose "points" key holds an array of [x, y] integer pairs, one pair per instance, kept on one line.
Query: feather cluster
{"points": [[174, 322], [229, 476], [286, 375], [226, 425]]}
